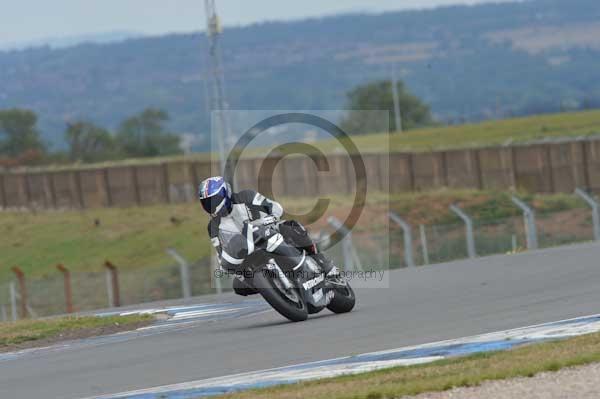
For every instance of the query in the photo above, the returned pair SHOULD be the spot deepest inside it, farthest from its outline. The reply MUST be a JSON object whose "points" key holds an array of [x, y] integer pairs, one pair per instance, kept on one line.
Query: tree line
{"points": [[414, 113], [141, 135], [145, 134]]}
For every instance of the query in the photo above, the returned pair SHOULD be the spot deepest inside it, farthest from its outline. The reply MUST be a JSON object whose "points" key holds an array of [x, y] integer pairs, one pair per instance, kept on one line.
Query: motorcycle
{"points": [[296, 292]]}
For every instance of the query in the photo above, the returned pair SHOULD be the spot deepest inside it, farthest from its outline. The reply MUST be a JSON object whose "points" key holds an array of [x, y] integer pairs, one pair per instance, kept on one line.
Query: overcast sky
{"points": [[29, 20]]}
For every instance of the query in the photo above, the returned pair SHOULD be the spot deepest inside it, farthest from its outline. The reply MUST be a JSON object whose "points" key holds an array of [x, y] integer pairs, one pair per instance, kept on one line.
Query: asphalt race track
{"points": [[422, 305]]}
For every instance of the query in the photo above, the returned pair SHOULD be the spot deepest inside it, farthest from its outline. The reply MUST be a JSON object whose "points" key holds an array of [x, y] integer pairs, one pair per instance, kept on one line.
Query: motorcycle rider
{"points": [[235, 236]]}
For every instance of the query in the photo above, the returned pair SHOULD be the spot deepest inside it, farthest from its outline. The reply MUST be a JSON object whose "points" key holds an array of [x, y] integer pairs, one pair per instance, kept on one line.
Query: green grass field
{"points": [[138, 237], [442, 375], [134, 238], [486, 134], [14, 335], [499, 132], [130, 238]]}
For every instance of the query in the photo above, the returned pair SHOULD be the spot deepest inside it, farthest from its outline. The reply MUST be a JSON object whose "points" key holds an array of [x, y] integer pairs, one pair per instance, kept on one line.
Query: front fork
{"points": [[272, 266]]}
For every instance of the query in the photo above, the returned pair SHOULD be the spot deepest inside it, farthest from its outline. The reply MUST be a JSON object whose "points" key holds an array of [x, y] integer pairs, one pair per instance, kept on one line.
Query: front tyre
{"points": [[343, 300], [288, 303]]}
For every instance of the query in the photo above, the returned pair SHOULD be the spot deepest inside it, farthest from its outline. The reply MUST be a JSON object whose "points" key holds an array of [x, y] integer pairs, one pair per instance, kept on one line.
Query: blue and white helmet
{"points": [[215, 195]]}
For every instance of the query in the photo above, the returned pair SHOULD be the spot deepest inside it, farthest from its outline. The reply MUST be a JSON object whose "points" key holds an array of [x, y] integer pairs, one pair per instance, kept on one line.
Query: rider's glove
{"points": [[269, 220]]}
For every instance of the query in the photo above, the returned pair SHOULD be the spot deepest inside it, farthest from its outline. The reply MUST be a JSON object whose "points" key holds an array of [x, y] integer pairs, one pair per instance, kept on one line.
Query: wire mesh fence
{"points": [[90, 290], [373, 250], [565, 227], [368, 251], [448, 242], [6, 313], [499, 236]]}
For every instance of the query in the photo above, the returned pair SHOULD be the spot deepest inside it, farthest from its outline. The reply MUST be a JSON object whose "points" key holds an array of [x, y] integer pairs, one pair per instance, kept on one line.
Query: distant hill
{"points": [[69, 41], [467, 62]]}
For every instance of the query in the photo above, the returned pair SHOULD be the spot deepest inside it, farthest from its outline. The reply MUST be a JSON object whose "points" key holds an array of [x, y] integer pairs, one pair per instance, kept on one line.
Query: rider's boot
{"points": [[241, 288], [295, 257], [328, 267]]}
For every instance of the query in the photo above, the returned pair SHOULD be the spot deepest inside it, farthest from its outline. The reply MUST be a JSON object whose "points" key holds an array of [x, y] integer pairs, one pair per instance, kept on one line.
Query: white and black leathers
{"points": [[234, 237]]}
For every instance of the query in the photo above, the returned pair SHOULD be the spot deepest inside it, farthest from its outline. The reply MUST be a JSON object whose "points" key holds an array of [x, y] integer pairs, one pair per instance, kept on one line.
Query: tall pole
{"points": [[218, 101], [396, 97], [595, 210], [408, 252], [469, 228], [529, 219]]}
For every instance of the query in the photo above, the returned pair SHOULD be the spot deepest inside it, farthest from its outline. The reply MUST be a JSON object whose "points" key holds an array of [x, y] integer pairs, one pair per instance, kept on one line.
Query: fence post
{"points": [[52, 188], [350, 256], [477, 166], [26, 189], [112, 285], [22, 291], [408, 250], [166, 183], [529, 219], [424, 244], [184, 272], [135, 183], [469, 229], [584, 161], [411, 171], [194, 176], [13, 301], [67, 283], [79, 189], [2, 192], [595, 215], [107, 189]]}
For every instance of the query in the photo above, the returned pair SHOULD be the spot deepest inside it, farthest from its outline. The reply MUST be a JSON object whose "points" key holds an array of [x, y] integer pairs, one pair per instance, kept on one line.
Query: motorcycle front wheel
{"points": [[288, 302]]}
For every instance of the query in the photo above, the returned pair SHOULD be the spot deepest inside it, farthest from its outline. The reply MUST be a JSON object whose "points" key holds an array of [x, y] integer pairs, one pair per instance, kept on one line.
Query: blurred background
{"points": [[107, 62], [107, 125]]}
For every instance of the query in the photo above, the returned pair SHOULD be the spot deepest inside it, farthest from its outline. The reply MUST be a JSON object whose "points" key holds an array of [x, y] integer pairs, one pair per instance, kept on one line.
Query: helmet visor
{"points": [[213, 204]]}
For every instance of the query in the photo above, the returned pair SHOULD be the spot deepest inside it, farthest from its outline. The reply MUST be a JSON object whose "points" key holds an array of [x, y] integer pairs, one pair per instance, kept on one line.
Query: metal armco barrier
{"points": [[112, 285], [68, 291], [529, 219], [408, 250], [469, 230], [595, 215]]}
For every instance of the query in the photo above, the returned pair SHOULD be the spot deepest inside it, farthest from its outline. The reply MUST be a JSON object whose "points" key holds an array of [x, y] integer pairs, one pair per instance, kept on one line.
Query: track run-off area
{"points": [[216, 337]]}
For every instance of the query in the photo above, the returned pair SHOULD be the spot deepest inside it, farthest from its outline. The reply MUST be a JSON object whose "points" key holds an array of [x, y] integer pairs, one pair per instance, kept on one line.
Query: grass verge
{"points": [[485, 134], [130, 238], [134, 238], [443, 375], [30, 333]]}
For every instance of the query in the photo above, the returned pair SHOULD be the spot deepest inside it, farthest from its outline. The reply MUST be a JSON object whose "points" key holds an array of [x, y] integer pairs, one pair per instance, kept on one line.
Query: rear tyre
{"points": [[288, 303], [344, 300]]}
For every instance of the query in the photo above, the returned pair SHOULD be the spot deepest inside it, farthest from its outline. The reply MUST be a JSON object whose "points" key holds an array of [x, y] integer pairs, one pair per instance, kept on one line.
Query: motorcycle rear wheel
{"points": [[343, 300]]}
